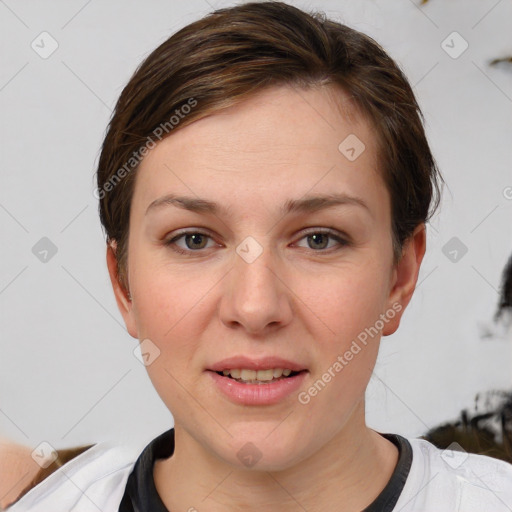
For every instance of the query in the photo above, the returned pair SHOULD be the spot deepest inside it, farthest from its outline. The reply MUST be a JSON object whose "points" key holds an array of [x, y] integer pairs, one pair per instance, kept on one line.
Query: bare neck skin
{"points": [[347, 474]]}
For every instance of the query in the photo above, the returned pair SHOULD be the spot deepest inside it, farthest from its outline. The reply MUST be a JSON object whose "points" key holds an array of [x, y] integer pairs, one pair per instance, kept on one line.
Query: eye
{"points": [[193, 240], [318, 239]]}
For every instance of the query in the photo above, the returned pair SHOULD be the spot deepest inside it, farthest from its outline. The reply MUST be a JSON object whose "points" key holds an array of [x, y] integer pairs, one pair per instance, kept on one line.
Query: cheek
{"points": [[166, 296], [344, 302], [168, 311]]}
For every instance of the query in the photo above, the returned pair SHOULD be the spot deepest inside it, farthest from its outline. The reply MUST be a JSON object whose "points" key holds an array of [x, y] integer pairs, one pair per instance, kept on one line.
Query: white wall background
{"points": [[67, 370]]}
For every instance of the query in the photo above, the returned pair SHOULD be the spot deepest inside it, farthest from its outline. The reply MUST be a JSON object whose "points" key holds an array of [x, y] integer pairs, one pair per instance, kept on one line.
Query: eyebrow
{"points": [[303, 205]]}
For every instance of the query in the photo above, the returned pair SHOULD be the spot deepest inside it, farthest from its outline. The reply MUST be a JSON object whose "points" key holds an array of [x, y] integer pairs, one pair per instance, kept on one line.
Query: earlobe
{"points": [[405, 277], [123, 298]]}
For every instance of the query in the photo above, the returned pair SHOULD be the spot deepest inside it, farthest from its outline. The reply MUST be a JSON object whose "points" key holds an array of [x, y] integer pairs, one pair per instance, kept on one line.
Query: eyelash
{"points": [[334, 235]]}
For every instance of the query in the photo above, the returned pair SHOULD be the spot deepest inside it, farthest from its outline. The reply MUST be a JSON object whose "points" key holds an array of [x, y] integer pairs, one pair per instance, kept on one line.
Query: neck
{"points": [[350, 470]]}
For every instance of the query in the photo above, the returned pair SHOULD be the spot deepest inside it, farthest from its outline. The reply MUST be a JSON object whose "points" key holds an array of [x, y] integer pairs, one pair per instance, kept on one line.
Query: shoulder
{"points": [[449, 480], [98, 474], [17, 469]]}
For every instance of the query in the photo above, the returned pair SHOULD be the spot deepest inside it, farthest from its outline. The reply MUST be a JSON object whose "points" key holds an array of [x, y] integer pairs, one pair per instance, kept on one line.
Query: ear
{"points": [[405, 276], [123, 299]]}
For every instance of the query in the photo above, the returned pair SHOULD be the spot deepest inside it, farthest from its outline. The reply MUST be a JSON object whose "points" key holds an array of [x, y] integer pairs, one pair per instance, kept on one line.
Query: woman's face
{"points": [[271, 280]]}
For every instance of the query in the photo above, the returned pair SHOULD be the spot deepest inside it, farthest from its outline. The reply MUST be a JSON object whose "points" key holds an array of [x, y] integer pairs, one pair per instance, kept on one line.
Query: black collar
{"points": [[141, 495]]}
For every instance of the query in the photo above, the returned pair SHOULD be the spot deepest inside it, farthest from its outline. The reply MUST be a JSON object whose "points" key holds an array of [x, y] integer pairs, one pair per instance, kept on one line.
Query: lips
{"points": [[255, 364], [254, 392], [258, 394]]}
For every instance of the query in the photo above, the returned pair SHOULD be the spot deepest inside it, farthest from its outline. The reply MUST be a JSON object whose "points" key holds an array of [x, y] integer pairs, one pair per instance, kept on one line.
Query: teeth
{"points": [[248, 374], [253, 376], [265, 375]]}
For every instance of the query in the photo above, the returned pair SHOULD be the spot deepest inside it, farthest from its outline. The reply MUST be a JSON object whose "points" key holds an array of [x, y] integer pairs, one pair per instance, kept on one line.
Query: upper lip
{"points": [[263, 363]]}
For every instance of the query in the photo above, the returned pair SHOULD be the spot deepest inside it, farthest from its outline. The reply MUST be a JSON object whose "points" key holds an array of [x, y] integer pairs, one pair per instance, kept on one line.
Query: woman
{"points": [[264, 187]]}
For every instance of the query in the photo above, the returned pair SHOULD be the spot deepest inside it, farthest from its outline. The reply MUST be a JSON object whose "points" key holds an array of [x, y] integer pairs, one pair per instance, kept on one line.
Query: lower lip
{"points": [[258, 394]]}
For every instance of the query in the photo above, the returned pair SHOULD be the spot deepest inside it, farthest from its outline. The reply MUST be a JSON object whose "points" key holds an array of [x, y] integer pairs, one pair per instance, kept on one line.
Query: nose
{"points": [[256, 296]]}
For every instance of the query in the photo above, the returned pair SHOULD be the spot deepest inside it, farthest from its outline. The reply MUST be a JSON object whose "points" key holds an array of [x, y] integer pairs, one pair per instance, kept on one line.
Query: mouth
{"points": [[247, 376], [265, 381]]}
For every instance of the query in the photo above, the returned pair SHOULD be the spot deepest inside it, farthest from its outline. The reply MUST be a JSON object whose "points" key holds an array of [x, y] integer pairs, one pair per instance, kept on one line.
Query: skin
{"points": [[17, 469], [300, 299]]}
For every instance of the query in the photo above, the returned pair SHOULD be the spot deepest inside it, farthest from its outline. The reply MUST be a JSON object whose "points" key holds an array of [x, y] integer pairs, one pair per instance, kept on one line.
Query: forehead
{"points": [[280, 144]]}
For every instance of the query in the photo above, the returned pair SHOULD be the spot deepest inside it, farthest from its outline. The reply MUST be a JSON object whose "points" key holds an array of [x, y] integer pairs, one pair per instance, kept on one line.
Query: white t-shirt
{"points": [[454, 481], [437, 480]]}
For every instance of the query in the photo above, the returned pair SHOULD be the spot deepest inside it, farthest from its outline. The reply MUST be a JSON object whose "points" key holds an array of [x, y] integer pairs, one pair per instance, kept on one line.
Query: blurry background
{"points": [[68, 373]]}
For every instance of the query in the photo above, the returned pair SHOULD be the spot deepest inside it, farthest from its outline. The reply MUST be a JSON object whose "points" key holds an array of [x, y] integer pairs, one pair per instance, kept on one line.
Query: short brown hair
{"points": [[235, 52]]}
